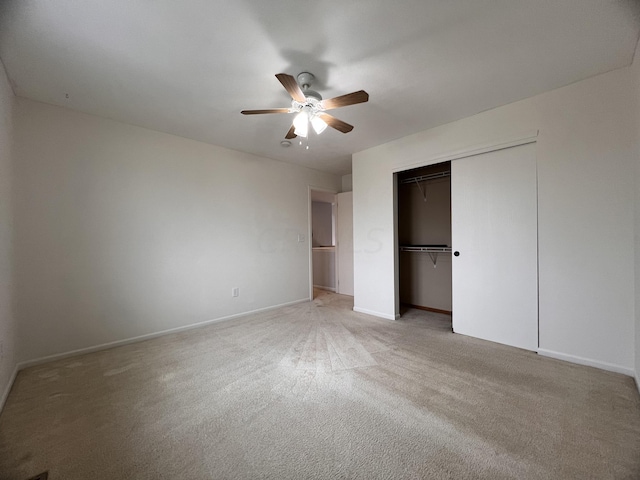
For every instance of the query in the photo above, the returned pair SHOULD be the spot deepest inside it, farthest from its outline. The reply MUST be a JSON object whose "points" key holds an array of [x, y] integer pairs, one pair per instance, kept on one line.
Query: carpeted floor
{"points": [[318, 391]]}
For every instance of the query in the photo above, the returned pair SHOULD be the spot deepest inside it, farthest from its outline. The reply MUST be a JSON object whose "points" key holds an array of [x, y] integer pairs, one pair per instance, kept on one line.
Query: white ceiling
{"points": [[188, 67]]}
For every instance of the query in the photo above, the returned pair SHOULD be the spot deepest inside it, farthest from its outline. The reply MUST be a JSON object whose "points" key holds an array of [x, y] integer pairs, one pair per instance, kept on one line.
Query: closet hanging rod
{"points": [[423, 178]]}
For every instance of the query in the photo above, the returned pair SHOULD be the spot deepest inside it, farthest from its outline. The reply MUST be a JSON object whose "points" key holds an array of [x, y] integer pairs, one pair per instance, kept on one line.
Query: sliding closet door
{"points": [[494, 230]]}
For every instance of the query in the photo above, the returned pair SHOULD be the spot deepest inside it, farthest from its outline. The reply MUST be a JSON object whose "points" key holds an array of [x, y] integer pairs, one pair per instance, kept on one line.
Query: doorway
{"points": [[331, 242], [323, 240], [424, 237]]}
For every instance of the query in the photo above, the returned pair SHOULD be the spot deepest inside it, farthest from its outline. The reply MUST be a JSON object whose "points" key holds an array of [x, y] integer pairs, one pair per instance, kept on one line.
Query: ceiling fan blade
{"points": [[333, 122], [344, 100], [290, 134], [260, 112], [291, 86]]}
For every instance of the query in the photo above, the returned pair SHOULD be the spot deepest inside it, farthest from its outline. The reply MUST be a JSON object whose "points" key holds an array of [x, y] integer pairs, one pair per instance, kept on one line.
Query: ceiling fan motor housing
{"points": [[305, 80]]}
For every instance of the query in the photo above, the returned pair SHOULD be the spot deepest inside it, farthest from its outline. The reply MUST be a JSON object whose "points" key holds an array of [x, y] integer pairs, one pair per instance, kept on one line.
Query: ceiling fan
{"points": [[310, 107]]}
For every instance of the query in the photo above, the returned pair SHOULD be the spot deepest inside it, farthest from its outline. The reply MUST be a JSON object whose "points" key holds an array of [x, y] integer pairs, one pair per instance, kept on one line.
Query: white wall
{"points": [[8, 327], [347, 183], [344, 251], [587, 154], [123, 231], [324, 268], [374, 269]]}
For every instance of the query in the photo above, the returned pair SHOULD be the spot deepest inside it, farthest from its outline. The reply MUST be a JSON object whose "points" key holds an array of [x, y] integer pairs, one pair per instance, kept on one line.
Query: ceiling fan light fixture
{"points": [[318, 124], [301, 123]]}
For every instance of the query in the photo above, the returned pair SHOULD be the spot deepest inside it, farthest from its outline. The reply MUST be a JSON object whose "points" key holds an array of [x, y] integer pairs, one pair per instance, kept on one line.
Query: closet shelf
{"points": [[425, 248], [432, 250], [425, 178]]}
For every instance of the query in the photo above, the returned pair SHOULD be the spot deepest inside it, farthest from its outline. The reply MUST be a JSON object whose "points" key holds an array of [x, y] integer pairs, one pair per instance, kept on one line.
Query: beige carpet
{"points": [[318, 391]]}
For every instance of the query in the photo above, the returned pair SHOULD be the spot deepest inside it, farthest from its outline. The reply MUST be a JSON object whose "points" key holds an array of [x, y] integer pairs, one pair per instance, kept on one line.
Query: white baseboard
{"points": [[329, 289], [376, 314], [8, 386], [611, 367], [637, 377], [148, 336]]}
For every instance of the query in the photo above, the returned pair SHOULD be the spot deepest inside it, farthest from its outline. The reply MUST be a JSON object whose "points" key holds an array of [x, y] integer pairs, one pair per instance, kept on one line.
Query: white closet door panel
{"points": [[345, 243], [494, 227]]}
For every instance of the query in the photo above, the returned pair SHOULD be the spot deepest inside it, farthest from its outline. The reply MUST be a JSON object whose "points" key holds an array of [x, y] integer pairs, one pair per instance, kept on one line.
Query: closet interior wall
{"points": [[424, 219]]}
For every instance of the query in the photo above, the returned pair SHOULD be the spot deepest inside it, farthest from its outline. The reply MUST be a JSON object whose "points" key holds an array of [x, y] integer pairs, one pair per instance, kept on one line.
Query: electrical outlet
{"points": [[235, 291], [300, 238]]}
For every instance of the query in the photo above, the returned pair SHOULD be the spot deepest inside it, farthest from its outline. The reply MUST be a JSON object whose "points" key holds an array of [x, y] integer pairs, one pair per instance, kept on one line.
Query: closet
{"points": [[424, 237], [468, 242]]}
